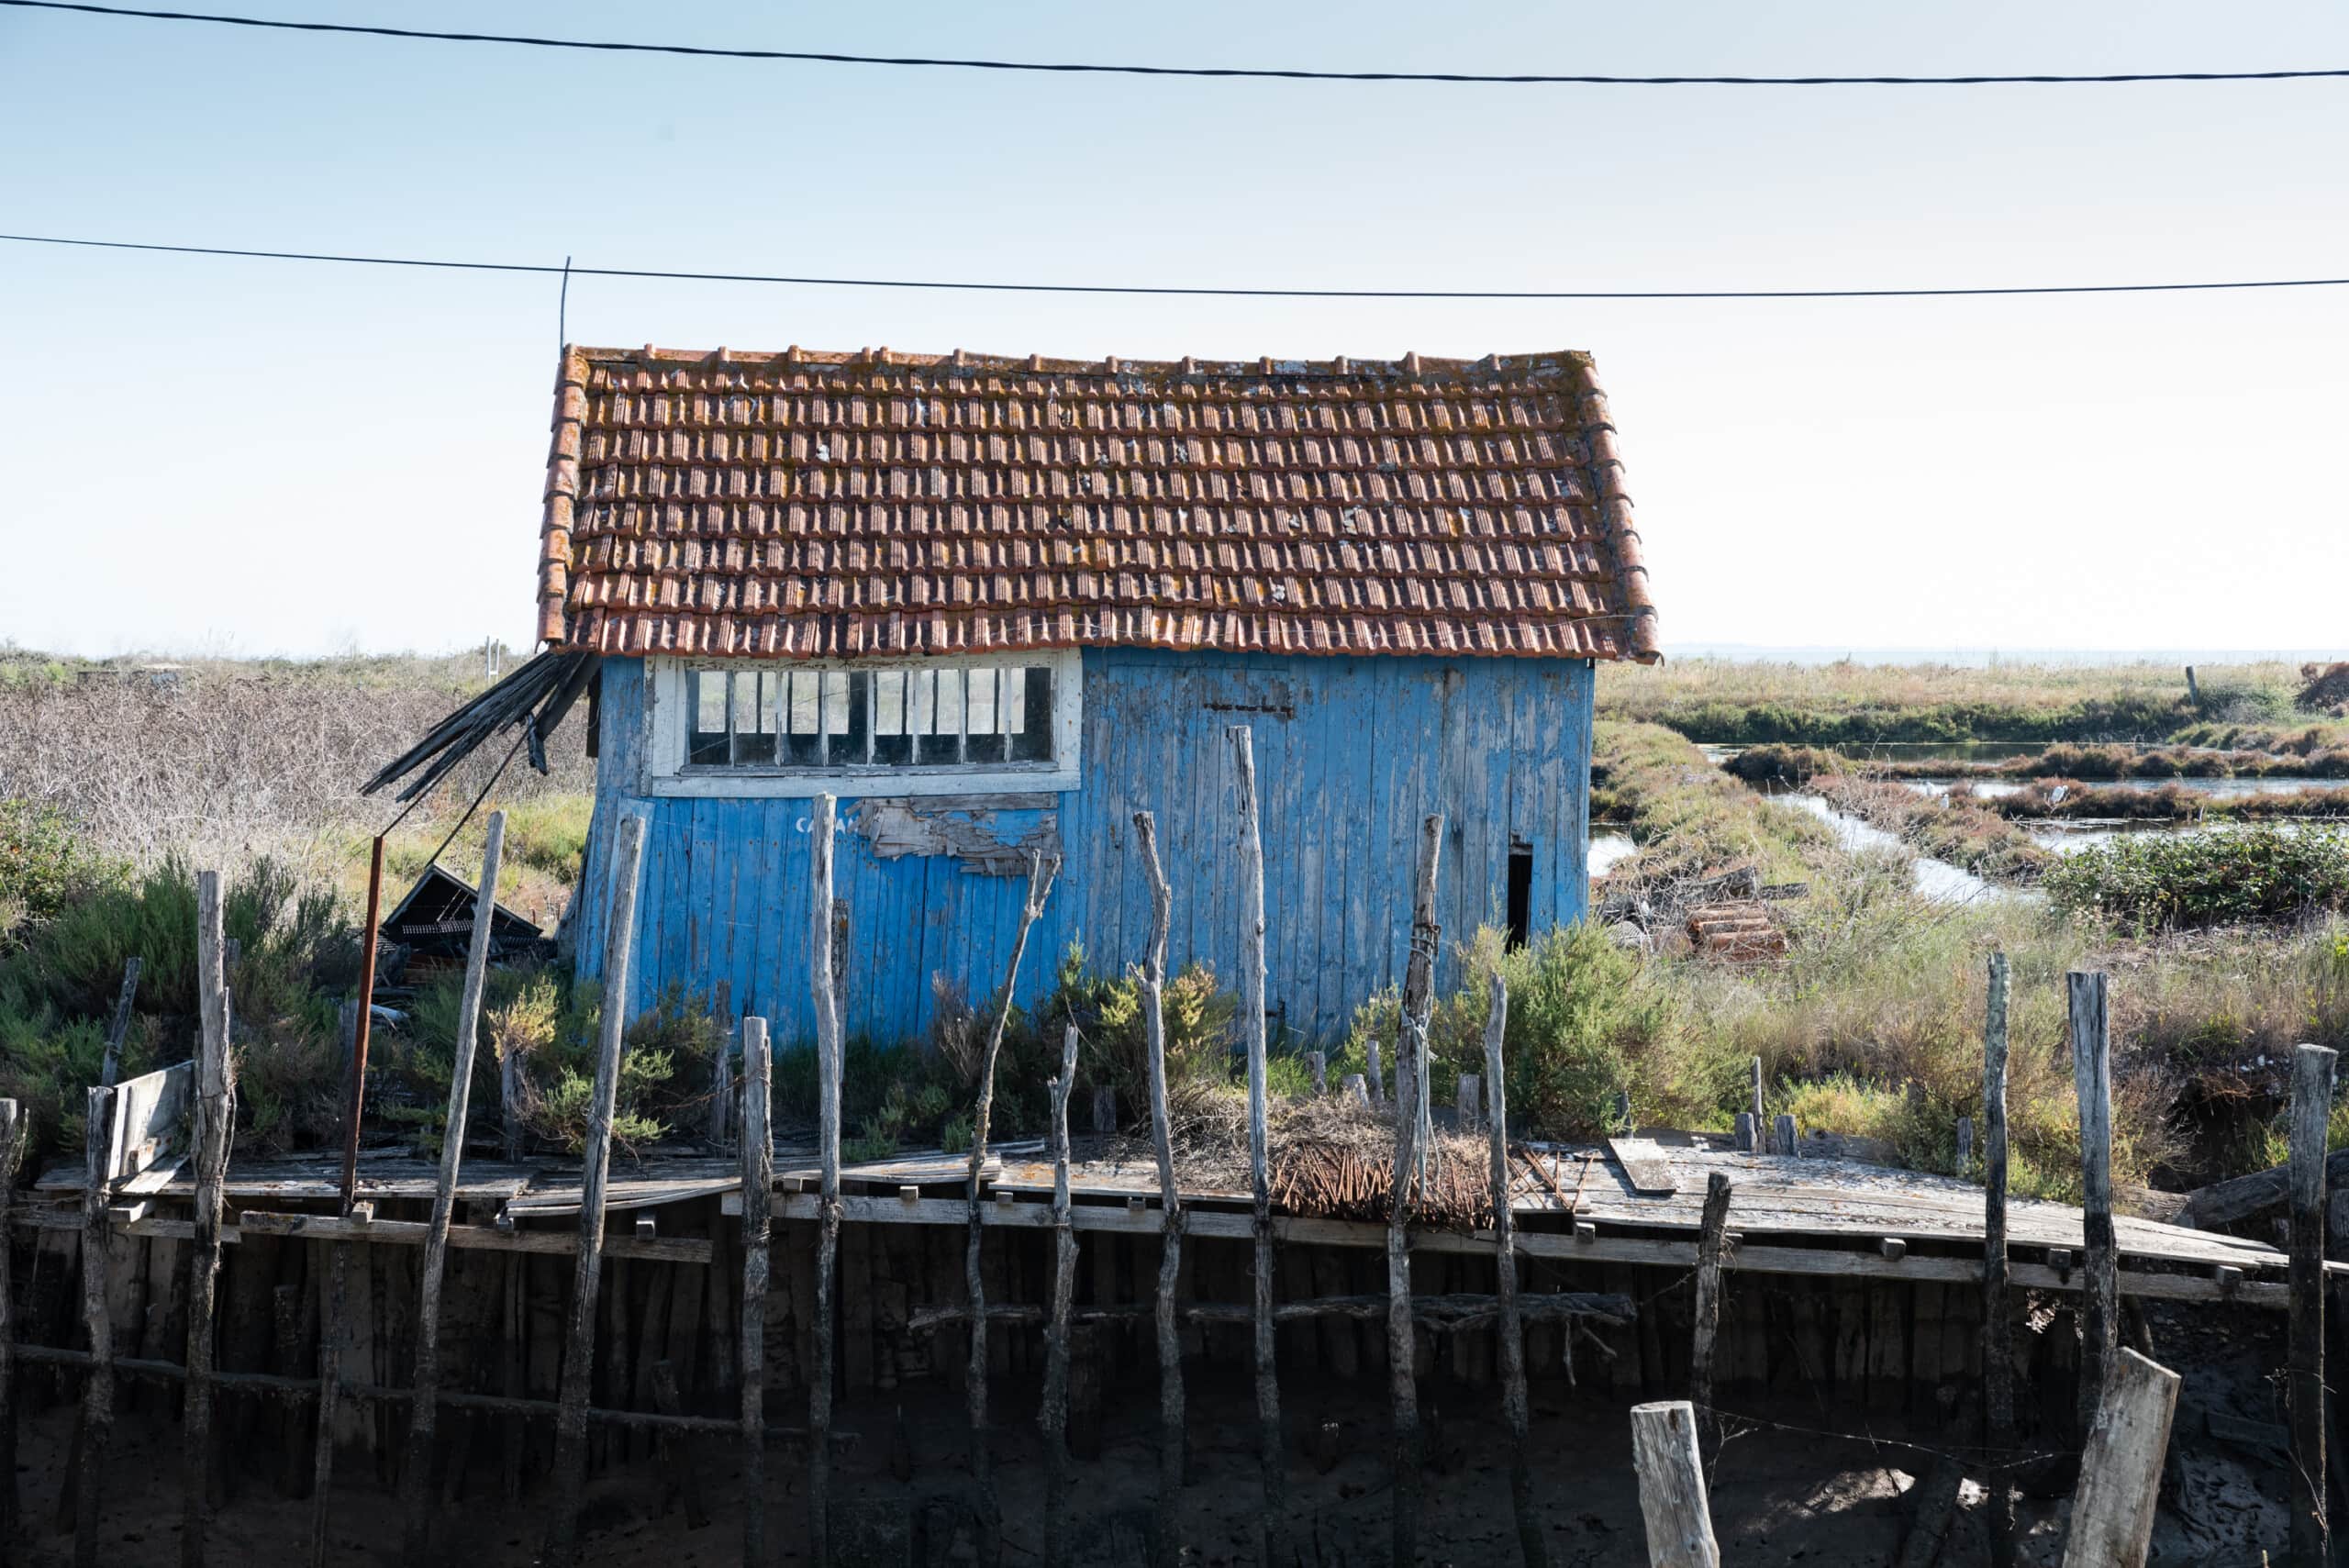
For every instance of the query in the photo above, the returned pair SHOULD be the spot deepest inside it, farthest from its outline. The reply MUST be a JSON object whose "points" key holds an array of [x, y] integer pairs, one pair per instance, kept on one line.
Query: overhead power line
{"points": [[568, 270], [1275, 73]]}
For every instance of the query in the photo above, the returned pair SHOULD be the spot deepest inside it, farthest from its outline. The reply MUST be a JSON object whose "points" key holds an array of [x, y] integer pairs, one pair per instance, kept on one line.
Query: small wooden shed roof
{"points": [[832, 505]]}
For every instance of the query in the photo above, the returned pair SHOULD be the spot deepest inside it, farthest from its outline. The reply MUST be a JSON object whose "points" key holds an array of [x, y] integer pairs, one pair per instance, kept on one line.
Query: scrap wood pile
{"points": [[1739, 932], [1334, 1159]]}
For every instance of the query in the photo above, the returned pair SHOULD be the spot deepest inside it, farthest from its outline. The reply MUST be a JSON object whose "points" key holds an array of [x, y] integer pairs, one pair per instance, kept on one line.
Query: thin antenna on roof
{"points": [[563, 310]]}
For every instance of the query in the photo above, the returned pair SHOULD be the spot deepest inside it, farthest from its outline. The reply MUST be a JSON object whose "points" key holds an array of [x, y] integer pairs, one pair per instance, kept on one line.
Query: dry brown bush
{"points": [[233, 760]]}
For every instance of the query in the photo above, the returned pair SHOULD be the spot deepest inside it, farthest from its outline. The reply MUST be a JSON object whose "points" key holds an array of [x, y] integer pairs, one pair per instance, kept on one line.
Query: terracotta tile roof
{"points": [[806, 504]]}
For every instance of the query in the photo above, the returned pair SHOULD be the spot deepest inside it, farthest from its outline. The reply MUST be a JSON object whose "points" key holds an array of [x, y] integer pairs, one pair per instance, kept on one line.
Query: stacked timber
{"points": [[1740, 932]]}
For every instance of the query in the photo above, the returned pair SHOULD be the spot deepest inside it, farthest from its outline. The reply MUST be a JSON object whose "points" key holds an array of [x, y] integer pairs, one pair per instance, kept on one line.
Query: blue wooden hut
{"points": [[997, 605]]}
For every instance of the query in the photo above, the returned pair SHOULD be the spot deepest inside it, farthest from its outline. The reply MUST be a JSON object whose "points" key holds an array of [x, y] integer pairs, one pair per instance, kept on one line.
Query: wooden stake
{"points": [[1317, 1064], [1672, 1487], [1269, 1461], [12, 1149], [1041, 872], [2101, 1292], [2311, 1111], [828, 1201], [1516, 1406], [1997, 1330], [1787, 1142], [721, 1067], [1411, 1063], [758, 1184], [1166, 1548], [579, 1349], [2121, 1473], [1374, 1076], [214, 1118], [1711, 1239], [96, 1426], [355, 1092], [1761, 1122], [1053, 1416], [416, 1480]]}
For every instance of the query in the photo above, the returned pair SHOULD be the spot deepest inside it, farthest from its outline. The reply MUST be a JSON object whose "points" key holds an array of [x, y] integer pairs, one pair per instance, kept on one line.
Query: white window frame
{"points": [[668, 708]]}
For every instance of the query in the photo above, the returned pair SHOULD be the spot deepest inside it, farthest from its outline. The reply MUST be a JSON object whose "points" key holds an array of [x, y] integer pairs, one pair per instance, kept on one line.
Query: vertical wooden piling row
{"points": [[579, 1346], [12, 1149], [828, 1151], [1252, 1022], [1041, 872], [1410, 1089], [758, 1183], [416, 1482], [1673, 1503], [1516, 1404], [2121, 1473], [1052, 1415], [1997, 1327], [213, 1117], [2311, 1111], [1166, 1546], [2101, 1282], [1712, 1239]]}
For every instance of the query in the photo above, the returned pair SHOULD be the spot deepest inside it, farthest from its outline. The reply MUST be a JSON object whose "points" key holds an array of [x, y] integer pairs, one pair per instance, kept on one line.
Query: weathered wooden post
{"points": [[1761, 1122], [1374, 1076], [827, 1148], [215, 1119], [1468, 1102], [97, 1387], [2101, 1282], [1166, 1546], [1516, 1404], [2121, 1473], [2312, 1067], [586, 1277], [1411, 1086], [722, 1066], [417, 1481], [11, 1150], [1052, 1413], [1997, 1328], [1269, 1459], [1317, 1064], [1673, 1503], [1712, 1239], [758, 1183], [1041, 872]]}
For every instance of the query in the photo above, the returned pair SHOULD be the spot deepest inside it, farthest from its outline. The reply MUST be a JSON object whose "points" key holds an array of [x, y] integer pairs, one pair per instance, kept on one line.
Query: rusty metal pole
{"points": [[354, 1103]]}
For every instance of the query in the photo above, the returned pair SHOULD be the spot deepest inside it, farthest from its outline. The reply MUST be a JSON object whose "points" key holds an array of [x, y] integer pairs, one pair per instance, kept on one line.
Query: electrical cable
{"points": [[568, 271], [829, 57]]}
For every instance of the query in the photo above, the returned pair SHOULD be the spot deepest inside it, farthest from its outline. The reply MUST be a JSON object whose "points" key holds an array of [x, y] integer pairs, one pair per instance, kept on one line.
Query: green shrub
{"points": [[43, 863], [2152, 881]]}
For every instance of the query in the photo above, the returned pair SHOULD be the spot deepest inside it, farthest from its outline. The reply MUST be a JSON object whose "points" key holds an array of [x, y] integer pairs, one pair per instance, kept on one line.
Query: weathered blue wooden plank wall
{"points": [[1350, 755]]}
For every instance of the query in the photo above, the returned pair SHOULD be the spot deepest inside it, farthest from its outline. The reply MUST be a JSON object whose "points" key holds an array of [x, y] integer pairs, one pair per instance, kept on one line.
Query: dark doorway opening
{"points": [[1520, 894]]}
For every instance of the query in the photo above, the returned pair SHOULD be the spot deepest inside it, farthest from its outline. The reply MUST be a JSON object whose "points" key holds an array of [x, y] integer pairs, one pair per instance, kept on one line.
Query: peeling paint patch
{"points": [[964, 831]]}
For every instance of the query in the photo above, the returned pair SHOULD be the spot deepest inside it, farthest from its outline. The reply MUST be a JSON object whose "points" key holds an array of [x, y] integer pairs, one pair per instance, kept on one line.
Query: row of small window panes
{"points": [[925, 717]]}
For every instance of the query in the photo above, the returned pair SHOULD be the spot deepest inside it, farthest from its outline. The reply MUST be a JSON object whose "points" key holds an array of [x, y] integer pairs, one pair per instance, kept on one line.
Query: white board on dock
{"points": [[151, 1120]]}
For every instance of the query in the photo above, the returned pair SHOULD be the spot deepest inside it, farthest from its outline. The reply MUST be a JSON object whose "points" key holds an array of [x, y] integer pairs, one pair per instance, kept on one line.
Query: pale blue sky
{"points": [[269, 457]]}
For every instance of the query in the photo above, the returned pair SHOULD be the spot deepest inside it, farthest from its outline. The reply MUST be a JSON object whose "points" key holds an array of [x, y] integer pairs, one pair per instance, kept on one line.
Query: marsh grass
{"points": [[1847, 703], [1691, 819]]}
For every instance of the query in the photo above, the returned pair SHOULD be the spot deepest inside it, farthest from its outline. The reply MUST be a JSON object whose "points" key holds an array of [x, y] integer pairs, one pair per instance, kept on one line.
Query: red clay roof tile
{"points": [[808, 505]]}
